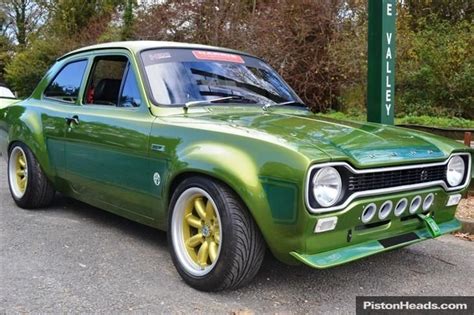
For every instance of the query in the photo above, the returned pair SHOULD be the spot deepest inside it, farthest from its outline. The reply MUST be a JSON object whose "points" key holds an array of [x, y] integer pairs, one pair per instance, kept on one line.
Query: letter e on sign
{"points": [[388, 95], [389, 9]]}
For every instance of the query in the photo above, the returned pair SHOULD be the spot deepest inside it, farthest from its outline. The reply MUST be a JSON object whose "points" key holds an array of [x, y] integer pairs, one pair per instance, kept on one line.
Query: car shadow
{"points": [[102, 217]]}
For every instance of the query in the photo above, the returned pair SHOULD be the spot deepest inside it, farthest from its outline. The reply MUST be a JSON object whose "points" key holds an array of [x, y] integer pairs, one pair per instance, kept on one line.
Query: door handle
{"points": [[72, 120]]}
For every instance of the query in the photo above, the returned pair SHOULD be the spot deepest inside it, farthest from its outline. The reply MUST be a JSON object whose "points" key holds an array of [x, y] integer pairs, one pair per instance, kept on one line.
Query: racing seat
{"points": [[106, 92]]}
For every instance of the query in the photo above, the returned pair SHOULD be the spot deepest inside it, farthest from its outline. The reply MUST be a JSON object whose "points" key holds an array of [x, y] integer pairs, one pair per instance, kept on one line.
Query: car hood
{"points": [[362, 144]]}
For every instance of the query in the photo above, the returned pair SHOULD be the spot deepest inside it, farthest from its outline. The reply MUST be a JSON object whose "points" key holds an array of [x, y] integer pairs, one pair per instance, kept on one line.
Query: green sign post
{"points": [[381, 61]]}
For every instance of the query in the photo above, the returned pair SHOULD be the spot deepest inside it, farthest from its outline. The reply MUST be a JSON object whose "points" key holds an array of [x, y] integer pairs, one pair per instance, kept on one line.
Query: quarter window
{"points": [[130, 96], [66, 84]]}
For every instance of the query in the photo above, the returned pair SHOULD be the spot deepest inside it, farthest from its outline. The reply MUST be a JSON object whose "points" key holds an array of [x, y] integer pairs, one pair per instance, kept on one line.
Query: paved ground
{"points": [[75, 258]]}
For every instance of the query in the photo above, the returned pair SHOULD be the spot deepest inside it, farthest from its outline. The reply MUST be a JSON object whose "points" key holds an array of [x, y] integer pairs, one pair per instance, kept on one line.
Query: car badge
{"points": [[424, 175], [157, 179]]}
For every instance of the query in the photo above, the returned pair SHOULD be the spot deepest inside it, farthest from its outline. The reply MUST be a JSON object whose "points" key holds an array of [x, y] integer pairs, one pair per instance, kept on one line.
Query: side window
{"points": [[130, 96], [66, 84], [105, 80]]}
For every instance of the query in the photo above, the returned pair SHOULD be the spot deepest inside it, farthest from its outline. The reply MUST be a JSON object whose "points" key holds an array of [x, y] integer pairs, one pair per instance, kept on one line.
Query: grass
{"points": [[443, 122]]}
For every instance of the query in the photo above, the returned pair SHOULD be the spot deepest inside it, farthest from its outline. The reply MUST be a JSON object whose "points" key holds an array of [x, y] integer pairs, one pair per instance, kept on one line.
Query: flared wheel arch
{"points": [[184, 175]]}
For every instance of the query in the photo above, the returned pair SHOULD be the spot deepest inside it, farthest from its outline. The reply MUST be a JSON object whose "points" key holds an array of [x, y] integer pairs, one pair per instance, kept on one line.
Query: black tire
{"points": [[242, 247], [39, 192]]}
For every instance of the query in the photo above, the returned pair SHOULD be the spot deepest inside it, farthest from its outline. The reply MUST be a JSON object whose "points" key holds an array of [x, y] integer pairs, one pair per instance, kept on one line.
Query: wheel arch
{"points": [[181, 176], [25, 126], [252, 196]]}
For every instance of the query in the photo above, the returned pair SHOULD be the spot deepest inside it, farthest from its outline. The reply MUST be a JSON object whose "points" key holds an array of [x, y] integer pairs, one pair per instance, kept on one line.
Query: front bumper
{"points": [[350, 253]]}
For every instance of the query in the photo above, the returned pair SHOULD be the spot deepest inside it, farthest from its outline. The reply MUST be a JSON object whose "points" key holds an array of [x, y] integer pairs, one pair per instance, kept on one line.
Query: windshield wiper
{"points": [[288, 103], [215, 100]]}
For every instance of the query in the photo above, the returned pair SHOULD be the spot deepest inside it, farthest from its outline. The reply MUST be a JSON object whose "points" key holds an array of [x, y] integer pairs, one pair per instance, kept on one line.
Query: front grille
{"points": [[377, 180]]}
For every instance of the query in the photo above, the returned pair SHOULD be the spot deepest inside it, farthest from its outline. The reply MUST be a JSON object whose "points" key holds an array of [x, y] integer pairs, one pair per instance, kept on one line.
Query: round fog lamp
{"points": [[327, 186]]}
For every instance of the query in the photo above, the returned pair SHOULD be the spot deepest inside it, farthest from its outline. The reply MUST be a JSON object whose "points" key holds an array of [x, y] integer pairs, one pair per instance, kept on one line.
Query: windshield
{"points": [[179, 76], [5, 92]]}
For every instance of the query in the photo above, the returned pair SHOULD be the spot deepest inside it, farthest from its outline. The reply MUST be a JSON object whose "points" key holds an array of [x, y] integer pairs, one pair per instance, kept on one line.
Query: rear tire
{"points": [[28, 185], [214, 242]]}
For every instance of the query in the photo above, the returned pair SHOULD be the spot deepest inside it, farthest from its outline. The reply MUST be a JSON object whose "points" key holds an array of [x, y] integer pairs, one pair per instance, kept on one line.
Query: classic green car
{"points": [[214, 147]]}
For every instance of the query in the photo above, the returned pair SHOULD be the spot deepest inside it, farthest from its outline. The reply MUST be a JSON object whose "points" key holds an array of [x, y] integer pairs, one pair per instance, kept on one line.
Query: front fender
{"points": [[270, 187], [225, 162]]}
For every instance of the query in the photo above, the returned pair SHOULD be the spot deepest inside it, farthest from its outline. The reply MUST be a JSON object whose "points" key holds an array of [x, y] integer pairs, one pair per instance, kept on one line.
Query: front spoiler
{"points": [[347, 254]]}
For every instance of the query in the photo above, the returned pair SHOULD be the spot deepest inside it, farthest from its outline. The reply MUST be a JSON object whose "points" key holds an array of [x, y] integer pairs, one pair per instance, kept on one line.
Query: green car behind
{"points": [[212, 146]]}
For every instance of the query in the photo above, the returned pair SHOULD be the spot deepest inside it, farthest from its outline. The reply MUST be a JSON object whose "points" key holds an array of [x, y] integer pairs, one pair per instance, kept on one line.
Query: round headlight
{"points": [[327, 186], [455, 171]]}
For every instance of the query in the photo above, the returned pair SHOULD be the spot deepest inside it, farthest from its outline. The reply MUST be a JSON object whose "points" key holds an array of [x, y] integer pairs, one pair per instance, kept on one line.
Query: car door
{"points": [[108, 139], [59, 98]]}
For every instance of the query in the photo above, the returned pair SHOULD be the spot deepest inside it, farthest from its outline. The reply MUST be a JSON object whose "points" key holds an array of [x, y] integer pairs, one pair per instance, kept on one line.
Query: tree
{"points": [[128, 19], [293, 36], [28, 66], [23, 18], [70, 24], [5, 46], [447, 10]]}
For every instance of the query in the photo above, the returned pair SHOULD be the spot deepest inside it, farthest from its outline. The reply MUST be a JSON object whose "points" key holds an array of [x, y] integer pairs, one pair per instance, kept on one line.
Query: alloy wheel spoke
{"points": [[21, 161], [217, 237], [203, 254], [193, 221], [195, 240], [213, 251], [22, 183], [20, 172], [210, 213], [200, 208]]}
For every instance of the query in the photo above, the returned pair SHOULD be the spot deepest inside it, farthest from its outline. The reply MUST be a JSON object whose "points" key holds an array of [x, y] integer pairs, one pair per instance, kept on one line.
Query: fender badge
{"points": [[158, 147], [157, 179]]}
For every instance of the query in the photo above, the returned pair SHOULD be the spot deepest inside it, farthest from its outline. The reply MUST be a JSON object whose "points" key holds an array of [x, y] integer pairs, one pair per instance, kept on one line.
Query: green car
{"points": [[212, 146]]}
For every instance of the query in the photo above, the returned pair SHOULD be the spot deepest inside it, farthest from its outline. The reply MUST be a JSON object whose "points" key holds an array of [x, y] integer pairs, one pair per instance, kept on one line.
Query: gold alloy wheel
{"points": [[196, 231], [201, 231], [18, 172]]}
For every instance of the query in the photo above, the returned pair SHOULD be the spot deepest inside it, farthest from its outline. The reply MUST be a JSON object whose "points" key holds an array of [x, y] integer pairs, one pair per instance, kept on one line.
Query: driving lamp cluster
{"points": [[386, 208]]}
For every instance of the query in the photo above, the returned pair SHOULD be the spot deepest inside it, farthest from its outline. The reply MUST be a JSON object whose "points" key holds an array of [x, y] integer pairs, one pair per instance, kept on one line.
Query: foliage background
{"points": [[318, 46]]}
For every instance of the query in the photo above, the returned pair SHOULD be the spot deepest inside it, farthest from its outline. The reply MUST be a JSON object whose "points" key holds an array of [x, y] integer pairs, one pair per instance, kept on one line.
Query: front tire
{"points": [[215, 244], [28, 185]]}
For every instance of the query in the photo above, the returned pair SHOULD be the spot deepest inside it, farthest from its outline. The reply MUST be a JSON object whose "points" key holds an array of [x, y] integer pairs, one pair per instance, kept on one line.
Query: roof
{"points": [[139, 45]]}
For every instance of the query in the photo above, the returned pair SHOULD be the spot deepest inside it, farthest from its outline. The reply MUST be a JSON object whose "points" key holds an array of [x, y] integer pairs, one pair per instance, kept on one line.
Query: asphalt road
{"points": [[76, 258]]}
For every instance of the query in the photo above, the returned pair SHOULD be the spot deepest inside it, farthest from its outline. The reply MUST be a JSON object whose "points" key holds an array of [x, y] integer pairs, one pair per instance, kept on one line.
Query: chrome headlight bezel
{"points": [[327, 186], [455, 171]]}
